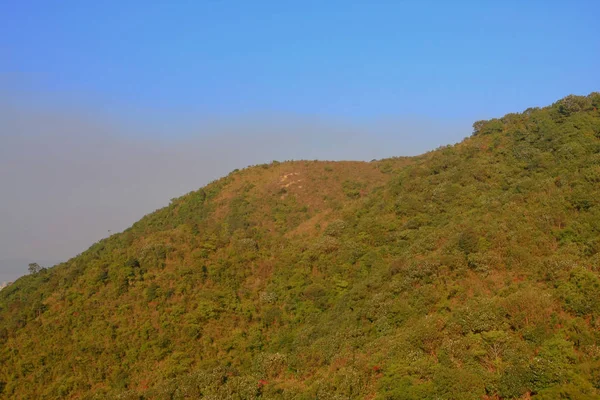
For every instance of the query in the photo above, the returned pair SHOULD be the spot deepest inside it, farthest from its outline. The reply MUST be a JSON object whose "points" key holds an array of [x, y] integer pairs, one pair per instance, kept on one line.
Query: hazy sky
{"points": [[109, 109]]}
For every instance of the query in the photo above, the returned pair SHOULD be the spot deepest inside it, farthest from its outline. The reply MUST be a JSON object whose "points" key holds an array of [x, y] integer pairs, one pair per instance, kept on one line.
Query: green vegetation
{"points": [[468, 272]]}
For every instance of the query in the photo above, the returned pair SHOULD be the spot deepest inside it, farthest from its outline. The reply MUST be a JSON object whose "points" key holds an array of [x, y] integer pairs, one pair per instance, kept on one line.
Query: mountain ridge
{"points": [[465, 272]]}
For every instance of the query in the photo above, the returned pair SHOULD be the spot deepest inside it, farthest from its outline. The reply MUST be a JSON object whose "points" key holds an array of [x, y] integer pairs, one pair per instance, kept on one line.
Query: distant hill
{"points": [[469, 272]]}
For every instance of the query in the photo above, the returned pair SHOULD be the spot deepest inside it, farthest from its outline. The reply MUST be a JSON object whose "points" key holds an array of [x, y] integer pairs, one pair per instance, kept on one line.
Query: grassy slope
{"points": [[469, 271]]}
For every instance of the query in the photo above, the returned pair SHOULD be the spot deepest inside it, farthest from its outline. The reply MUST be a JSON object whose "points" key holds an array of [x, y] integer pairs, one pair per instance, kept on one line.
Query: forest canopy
{"points": [[465, 272]]}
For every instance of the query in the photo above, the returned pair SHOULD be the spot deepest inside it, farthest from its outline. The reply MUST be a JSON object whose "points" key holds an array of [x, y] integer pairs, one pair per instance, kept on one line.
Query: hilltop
{"points": [[468, 272]]}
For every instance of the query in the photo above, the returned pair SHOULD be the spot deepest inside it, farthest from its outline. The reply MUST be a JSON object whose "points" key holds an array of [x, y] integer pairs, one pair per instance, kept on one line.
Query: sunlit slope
{"points": [[469, 271]]}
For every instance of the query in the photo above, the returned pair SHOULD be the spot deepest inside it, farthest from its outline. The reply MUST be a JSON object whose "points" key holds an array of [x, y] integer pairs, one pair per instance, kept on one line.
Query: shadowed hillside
{"points": [[468, 272]]}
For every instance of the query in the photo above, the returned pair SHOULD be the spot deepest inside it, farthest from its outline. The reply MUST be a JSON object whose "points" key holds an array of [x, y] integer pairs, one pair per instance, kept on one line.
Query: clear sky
{"points": [[340, 58], [110, 108]]}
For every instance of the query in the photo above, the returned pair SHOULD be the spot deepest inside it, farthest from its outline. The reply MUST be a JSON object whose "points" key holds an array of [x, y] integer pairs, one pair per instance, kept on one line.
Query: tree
{"points": [[34, 268]]}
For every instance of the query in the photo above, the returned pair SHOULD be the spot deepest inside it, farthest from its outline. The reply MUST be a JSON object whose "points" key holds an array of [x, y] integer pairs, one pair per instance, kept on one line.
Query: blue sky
{"points": [[343, 59], [108, 109]]}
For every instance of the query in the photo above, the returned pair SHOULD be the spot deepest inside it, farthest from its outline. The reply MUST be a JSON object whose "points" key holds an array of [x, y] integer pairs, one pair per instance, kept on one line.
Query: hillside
{"points": [[469, 272]]}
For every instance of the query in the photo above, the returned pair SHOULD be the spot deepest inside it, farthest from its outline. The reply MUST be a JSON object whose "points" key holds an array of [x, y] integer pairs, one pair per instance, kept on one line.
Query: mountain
{"points": [[469, 272]]}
